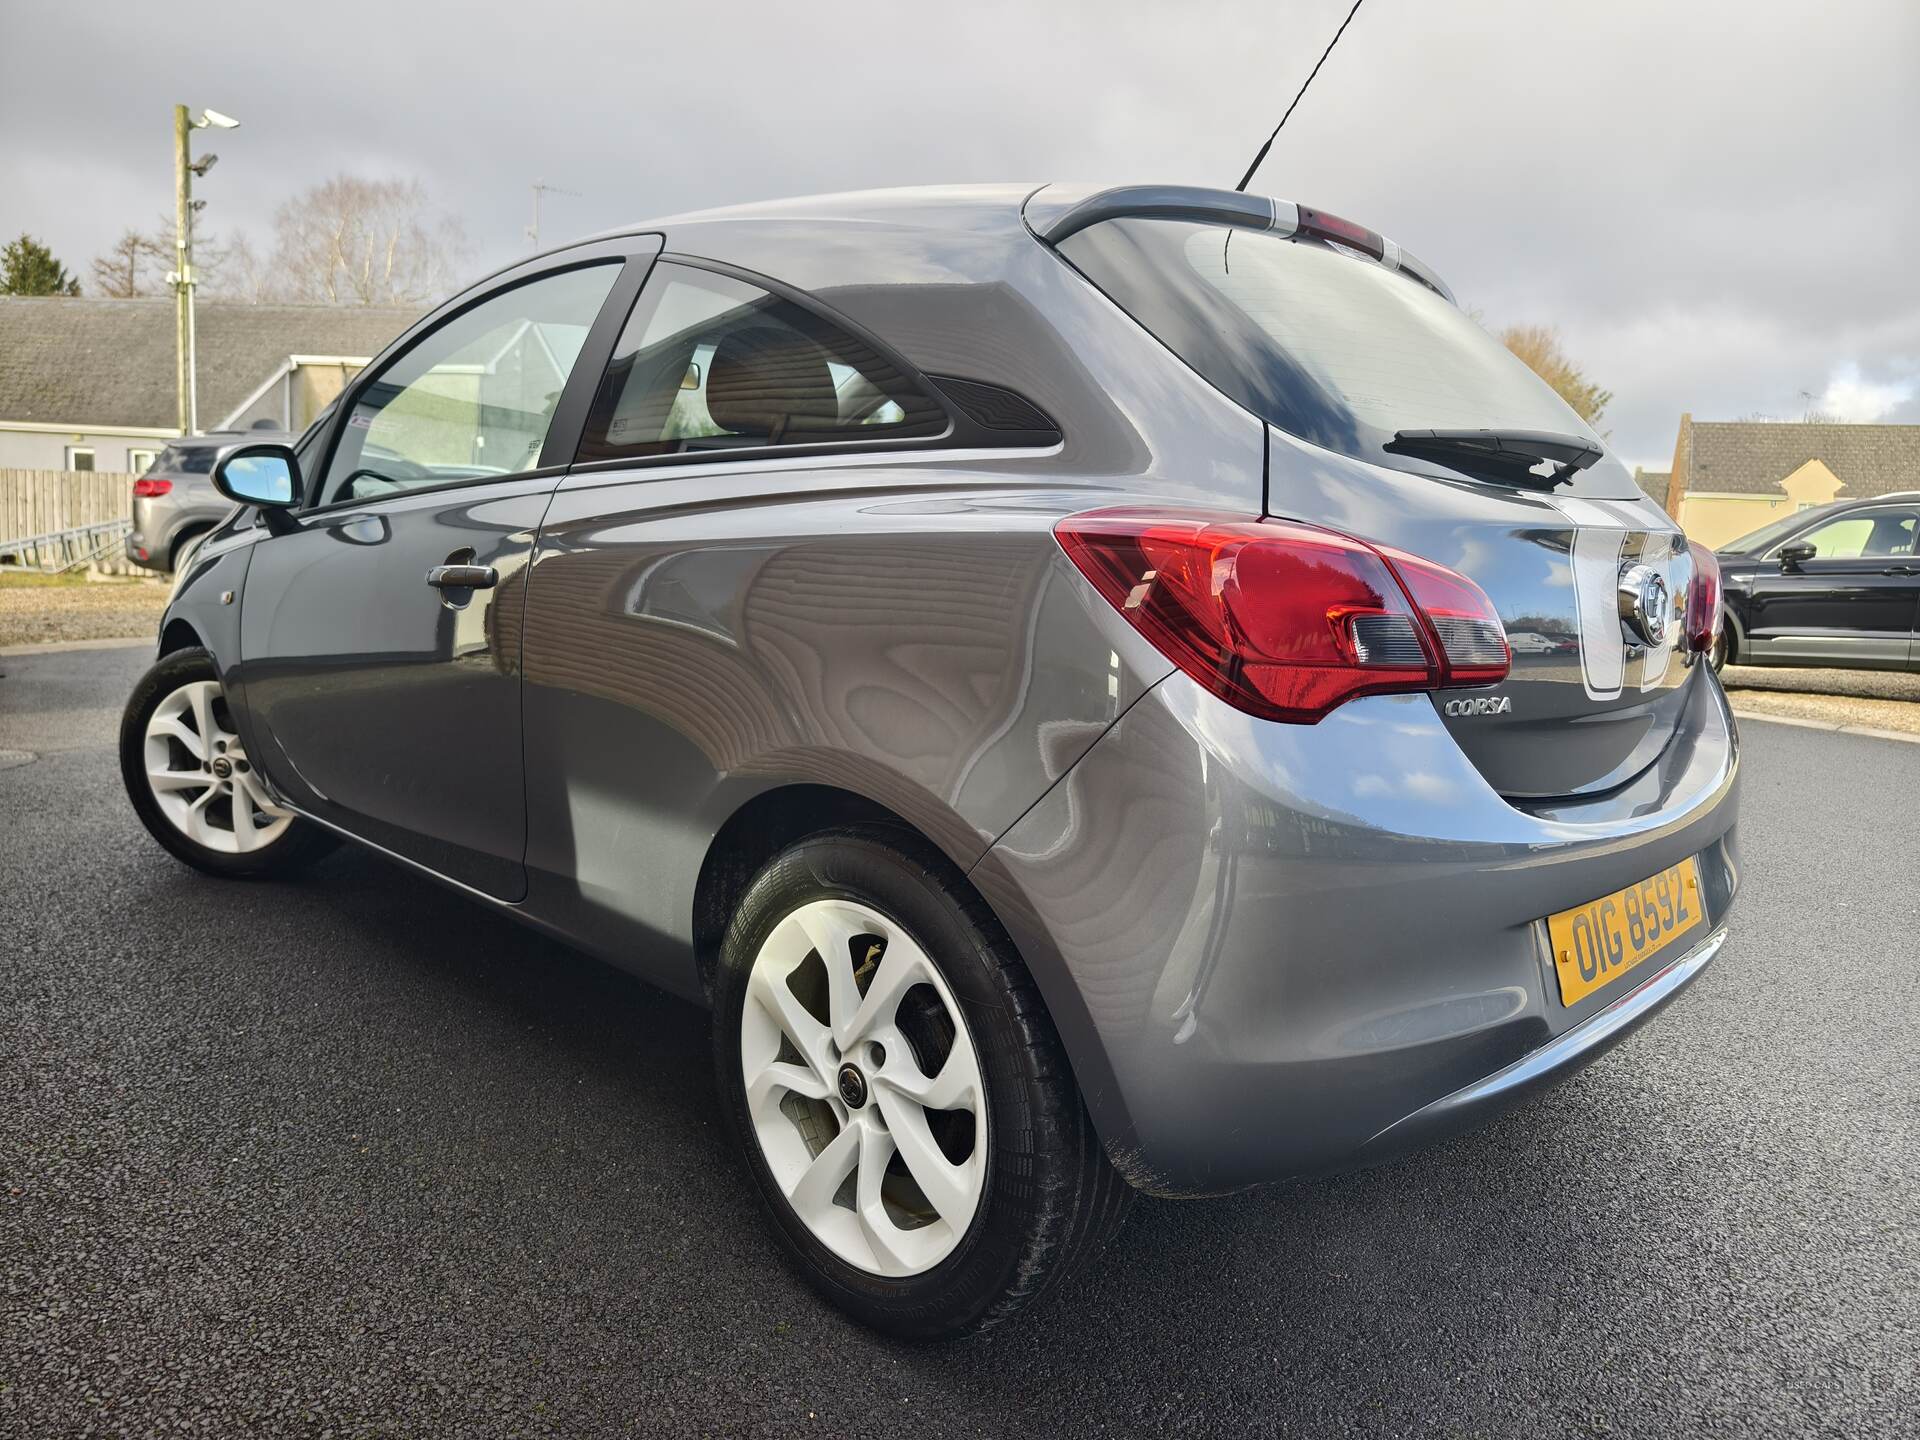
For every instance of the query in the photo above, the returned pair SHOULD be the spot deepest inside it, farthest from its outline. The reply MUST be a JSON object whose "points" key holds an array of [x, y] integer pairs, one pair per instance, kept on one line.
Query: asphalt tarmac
{"points": [[350, 1156]]}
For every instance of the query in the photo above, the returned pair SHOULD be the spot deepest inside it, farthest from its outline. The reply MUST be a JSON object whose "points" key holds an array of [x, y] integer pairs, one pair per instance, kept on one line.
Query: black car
{"points": [[1837, 584]]}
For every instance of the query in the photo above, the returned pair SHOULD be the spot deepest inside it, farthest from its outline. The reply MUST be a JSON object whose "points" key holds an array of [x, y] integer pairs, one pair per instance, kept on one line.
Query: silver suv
{"points": [[174, 502], [1034, 662]]}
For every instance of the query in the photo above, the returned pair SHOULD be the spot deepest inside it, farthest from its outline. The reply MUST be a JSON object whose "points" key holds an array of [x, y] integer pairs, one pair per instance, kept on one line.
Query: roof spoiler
{"points": [[1054, 212]]}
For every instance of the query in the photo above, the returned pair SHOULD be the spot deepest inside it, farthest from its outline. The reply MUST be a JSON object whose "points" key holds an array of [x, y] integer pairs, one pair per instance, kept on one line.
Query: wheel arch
{"points": [[1735, 632], [178, 634], [757, 830], [769, 821]]}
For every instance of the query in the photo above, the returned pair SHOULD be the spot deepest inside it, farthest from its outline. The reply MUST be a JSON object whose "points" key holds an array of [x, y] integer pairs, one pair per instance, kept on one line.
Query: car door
{"points": [[380, 635], [1852, 603], [745, 561]]}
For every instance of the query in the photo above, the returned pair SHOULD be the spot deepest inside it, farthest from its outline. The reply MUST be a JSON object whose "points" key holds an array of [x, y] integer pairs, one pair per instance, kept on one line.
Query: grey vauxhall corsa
{"points": [[1033, 661]]}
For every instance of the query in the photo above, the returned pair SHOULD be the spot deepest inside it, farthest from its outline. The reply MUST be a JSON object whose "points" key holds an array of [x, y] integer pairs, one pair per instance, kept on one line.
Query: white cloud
{"points": [[1852, 396]]}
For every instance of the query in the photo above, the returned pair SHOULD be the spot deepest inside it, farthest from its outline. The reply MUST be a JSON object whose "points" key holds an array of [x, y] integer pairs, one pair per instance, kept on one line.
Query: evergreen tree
{"points": [[28, 268]]}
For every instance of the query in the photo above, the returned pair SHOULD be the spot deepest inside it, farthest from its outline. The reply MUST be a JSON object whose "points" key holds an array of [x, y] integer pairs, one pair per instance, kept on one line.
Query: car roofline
{"points": [[1051, 212], [1056, 212]]}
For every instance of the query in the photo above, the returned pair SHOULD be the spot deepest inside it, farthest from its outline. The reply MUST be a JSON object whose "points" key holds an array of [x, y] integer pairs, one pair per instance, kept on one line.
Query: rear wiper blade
{"points": [[1512, 455]]}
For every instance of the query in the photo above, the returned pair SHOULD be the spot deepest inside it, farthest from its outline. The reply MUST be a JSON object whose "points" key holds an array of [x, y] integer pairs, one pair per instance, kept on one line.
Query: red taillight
{"points": [[1471, 641], [1322, 226], [1284, 620], [148, 489], [1704, 615]]}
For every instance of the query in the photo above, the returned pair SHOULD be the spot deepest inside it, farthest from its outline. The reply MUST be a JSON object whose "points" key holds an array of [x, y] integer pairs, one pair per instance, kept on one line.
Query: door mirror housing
{"points": [[264, 474], [1794, 555]]}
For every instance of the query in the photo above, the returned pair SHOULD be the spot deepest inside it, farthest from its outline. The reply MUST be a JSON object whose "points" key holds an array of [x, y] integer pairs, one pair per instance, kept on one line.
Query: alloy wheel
{"points": [[201, 778], [864, 1088]]}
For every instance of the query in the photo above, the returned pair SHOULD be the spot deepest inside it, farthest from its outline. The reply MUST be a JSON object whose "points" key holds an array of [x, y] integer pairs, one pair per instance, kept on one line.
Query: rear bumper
{"points": [[147, 542], [1284, 950], [141, 554], [1560, 1057]]}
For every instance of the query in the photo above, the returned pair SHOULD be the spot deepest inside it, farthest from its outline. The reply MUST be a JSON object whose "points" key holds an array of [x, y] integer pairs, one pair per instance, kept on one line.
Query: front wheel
{"points": [[900, 1092], [187, 773]]}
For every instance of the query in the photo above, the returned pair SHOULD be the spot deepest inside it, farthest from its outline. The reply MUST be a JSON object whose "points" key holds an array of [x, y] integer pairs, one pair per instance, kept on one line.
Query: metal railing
{"points": [[61, 550]]}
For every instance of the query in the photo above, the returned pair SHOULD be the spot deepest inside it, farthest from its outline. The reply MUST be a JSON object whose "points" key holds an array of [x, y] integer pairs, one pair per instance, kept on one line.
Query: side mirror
{"points": [[266, 475], [1794, 555]]}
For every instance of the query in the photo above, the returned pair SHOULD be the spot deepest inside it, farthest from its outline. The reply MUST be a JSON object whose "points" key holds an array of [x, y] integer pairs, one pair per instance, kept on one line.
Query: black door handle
{"points": [[463, 577], [1901, 570]]}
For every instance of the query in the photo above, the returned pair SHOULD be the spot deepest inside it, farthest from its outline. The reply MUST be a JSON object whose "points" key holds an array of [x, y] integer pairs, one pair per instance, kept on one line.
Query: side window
{"points": [[1893, 535], [472, 399], [1874, 535], [710, 363]]}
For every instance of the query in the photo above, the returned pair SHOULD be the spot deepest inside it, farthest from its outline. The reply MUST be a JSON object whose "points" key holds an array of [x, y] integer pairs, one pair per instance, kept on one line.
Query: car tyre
{"points": [[951, 1018], [183, 548], [1717, 656], [188, 776]]}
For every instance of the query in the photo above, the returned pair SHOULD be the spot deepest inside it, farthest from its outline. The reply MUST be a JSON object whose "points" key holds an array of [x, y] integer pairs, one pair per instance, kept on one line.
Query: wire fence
{"points": [[63, 519]]}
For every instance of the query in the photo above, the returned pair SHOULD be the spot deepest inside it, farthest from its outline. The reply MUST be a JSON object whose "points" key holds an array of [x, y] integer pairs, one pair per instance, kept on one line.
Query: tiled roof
{"points": [[1752, 457], [1653, 484], [111, 362]]}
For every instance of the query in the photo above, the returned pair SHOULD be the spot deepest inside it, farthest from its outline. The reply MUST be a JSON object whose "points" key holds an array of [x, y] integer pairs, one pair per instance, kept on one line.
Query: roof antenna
{"points": [[1296, 99]]}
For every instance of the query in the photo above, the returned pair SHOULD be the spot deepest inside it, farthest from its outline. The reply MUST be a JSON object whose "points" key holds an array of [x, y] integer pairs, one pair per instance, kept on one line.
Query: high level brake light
{"points": [[1322, 226], [1704, 615], [1284, 620], [149, 489]]}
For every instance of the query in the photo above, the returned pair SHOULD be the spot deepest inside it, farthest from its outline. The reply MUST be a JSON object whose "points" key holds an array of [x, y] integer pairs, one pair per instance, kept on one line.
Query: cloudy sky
{"points": [[1716, 203]]}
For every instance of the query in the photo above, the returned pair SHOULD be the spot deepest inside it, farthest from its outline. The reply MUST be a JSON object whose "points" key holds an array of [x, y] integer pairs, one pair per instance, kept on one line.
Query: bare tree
{"points": [[245, 276], [348, 241], [139, 262], [355, 241], [133, 266]]}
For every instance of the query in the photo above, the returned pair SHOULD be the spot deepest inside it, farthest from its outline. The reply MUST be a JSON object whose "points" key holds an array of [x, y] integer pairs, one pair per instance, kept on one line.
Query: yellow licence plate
{"points": [[1596, 943]]}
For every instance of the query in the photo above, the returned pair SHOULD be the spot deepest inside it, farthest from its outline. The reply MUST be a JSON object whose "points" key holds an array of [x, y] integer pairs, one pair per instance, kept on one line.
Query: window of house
{"points": [[709, 363], [79, 457], [472, 399], [140, 461]]}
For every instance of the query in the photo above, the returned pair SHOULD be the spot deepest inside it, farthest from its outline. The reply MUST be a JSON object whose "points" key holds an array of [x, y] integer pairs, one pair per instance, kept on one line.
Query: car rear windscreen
{"points": [[1334, 349], [186, 460]]}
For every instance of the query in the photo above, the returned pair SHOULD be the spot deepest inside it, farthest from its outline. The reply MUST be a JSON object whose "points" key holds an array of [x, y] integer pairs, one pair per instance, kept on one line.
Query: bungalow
{"points": [[90, 384]]}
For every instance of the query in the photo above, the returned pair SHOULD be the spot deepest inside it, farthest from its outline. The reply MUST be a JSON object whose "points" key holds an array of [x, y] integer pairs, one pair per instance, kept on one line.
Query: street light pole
{"points": [[184, 280], [183, 271]]}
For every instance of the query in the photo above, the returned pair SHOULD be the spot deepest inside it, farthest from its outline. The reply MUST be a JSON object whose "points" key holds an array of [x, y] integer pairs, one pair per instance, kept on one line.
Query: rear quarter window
{"points": [[711, 363]]}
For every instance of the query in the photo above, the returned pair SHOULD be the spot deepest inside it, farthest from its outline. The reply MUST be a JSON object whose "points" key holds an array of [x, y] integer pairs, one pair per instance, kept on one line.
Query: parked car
{"points": [[174, 502], [1032, 661], [1838, 584]]}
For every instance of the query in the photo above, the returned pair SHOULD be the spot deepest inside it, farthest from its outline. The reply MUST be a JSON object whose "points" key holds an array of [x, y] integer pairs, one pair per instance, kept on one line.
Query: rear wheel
{"points": [[899, 1091], [1722, 647], [183, 548], [187, 772]]}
